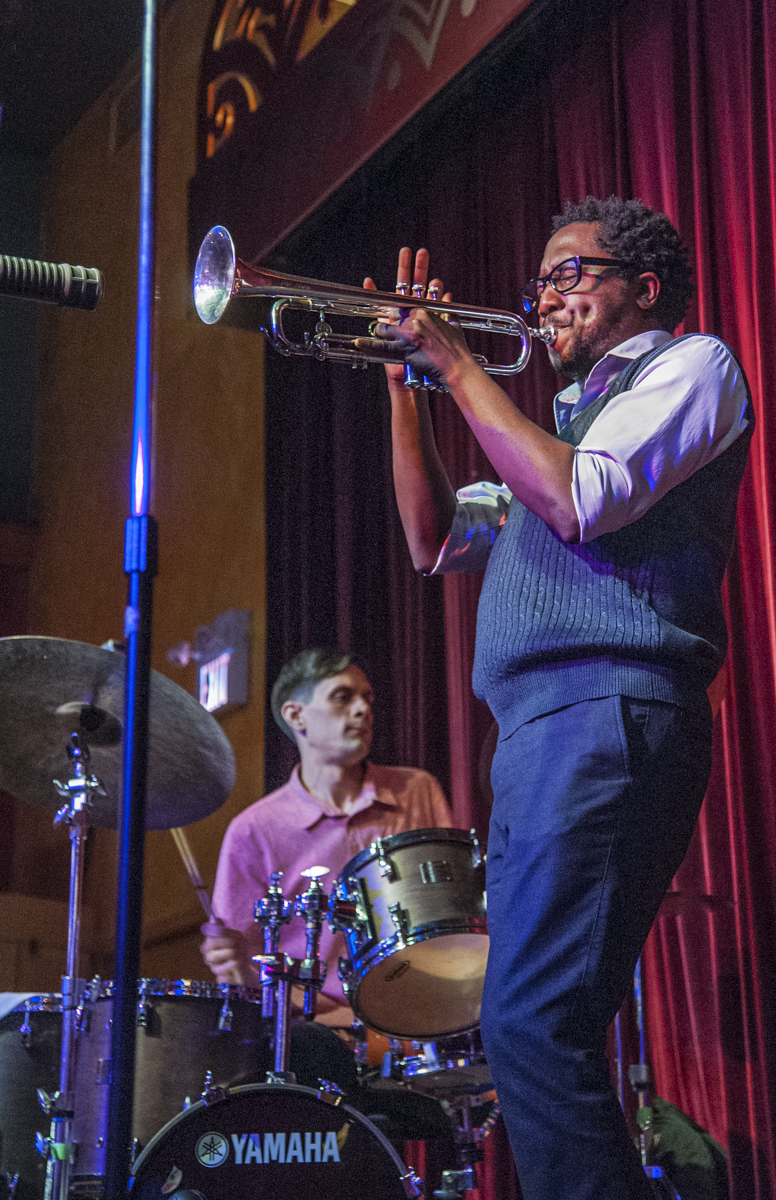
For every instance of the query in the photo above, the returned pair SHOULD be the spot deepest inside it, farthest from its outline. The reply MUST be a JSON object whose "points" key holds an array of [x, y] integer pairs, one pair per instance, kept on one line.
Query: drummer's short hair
{"points": [[300, 676]]}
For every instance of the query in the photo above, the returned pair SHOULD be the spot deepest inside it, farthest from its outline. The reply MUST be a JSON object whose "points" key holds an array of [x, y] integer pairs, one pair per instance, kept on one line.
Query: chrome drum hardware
{"points": [[412, 908]]}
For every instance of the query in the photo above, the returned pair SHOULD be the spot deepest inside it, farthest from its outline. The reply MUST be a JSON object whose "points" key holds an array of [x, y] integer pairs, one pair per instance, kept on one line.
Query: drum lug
{"points": [[412, 1183], [144, 1007], [384, 864], [25, 1029], [210, 1093], [400, 918], [477, 855], [330, 1092], [280, 1077], [11, 1182], [344, 970]]}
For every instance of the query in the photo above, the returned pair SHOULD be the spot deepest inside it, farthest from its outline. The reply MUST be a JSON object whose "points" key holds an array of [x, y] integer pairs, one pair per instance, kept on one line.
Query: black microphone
{"points": [[51, 283]]}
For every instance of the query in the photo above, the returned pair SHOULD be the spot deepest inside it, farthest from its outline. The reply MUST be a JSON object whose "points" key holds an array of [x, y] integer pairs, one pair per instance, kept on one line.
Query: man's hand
{"points": [[226, 953], [391, 333]]}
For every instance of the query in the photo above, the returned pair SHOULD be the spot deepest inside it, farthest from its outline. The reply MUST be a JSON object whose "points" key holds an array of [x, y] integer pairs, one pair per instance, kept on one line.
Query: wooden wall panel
{"points": [[208, 494]]}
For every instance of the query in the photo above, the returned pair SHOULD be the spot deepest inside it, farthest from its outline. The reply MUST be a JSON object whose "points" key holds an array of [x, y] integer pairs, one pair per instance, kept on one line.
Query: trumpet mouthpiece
{"points": [[546, 334]]}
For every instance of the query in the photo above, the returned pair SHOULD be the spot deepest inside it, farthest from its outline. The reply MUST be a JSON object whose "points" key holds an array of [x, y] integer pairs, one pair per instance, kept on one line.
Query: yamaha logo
{"points": [[212, 1149]]}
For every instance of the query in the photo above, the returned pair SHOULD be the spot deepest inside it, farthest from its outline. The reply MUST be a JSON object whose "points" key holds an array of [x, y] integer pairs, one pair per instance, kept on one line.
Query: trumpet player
{"points": [[600, 627]]}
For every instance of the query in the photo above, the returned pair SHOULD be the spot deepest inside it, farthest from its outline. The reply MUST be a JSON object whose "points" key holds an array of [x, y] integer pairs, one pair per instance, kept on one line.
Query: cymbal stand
{"points": [[469, 1141], [641, 1081], [57, 1147]]}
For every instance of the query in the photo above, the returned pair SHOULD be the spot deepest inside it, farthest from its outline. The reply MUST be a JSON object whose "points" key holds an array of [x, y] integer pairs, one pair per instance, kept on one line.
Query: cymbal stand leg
{"points": [[59, 1147]]}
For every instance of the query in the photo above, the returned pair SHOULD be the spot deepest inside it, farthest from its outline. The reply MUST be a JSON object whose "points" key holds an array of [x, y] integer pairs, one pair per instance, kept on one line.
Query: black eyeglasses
{"points": [[566, 277]]}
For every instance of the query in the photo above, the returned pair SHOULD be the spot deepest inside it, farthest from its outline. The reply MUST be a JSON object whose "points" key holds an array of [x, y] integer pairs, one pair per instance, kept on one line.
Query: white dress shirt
{"points": [[682, 410]]}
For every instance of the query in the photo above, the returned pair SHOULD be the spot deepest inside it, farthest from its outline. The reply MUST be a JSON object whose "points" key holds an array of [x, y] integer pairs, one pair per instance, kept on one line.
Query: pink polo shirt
{"points": [[289, 831]]}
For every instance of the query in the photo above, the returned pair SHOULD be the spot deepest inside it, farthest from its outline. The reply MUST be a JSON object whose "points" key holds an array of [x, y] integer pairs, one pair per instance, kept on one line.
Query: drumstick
{"points": [[192, 870]]}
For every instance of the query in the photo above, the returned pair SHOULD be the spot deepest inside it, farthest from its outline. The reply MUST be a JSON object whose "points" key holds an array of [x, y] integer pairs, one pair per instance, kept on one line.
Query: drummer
{"points": [[334, 805]]}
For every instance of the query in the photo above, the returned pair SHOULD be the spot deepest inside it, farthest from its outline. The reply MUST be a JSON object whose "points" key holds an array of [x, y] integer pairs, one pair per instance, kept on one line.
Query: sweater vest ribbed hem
{"points": [[527, 694]]}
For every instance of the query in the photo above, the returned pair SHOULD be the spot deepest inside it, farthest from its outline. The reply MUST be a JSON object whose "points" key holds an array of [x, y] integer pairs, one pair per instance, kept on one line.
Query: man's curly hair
{"points": [[645, 241]]}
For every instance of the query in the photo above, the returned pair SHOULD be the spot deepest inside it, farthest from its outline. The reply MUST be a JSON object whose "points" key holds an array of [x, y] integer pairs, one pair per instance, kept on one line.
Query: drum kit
{"points": [[217, 1113]]}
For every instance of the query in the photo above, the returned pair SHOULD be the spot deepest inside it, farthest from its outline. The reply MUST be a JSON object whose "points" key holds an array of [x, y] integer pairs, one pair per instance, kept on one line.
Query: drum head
{"points": [[264, 1142], [426, 990]]}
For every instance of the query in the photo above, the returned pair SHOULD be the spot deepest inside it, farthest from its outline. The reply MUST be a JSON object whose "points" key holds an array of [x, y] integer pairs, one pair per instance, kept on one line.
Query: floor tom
{"points": [[185, 1029]]}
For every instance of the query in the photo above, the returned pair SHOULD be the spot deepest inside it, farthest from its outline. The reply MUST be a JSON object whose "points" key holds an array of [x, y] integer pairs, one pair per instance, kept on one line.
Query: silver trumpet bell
{"points": [[219, 275]]}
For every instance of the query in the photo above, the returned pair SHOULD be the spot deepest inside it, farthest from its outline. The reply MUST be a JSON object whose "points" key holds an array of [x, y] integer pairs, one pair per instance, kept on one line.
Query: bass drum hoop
{"points": [[405, 1174]]}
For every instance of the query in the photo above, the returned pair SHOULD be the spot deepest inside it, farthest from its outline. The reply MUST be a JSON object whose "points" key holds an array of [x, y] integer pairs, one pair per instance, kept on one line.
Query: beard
{"points": [[587, 343]]}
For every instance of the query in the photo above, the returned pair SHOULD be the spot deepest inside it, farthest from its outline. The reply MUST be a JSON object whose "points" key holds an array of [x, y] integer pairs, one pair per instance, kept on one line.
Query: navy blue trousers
{"points": [[594, 808]]}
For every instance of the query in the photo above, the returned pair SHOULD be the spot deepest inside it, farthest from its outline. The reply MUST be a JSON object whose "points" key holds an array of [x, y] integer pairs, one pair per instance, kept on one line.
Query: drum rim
{"points": [[415, 1067], [201, 989], [409, 837], [42, 1002], [376, 952], [404, 1170]]}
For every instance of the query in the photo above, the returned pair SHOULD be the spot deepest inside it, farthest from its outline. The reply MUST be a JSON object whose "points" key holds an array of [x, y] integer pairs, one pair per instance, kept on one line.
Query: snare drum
{"points": [[268, 1141], [185, 1029], [417, 933], [30, 1048]]}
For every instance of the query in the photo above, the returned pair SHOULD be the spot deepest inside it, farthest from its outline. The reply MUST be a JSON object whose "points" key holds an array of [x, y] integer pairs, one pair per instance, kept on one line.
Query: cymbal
{"points": [[51, 687]]}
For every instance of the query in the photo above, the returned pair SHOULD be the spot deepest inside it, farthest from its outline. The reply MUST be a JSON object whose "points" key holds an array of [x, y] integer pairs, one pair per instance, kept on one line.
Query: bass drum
{"points": [[412, 908], [271, 1140], [185, 1029], [30, 1047]]}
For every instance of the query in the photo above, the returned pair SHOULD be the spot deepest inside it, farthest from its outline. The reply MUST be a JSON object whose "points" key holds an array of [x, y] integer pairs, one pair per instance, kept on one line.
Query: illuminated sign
{"points": [[221, 651], [214, 682]]}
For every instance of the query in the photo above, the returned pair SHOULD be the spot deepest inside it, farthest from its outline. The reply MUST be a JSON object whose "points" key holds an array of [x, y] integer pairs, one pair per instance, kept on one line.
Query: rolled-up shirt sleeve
{"points": [[682, 411], [480, 513]]}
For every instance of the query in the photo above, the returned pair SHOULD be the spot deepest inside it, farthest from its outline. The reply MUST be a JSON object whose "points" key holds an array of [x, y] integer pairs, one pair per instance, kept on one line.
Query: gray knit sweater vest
{"points": [[637, 612]]}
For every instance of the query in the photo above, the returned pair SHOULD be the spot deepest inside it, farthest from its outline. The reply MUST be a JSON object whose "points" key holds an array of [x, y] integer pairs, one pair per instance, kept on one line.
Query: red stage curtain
{"points": [[673, 101]]}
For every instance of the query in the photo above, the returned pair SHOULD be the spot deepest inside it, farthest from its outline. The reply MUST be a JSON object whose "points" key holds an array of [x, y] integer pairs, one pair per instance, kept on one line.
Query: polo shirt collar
{"points": [[304, 809], [572, 400]]}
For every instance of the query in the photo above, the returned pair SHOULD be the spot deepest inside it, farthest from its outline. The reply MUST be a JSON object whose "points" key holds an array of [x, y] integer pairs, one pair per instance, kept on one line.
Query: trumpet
{"points": [[219, 275]]}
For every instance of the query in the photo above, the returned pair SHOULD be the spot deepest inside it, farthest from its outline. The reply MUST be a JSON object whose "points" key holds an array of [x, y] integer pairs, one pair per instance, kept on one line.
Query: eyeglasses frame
{"points": [[580, 260]]}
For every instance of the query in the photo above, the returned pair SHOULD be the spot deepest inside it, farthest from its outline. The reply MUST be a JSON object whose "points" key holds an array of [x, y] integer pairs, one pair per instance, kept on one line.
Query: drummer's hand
{"points": [[228, 956], [405, 272]]}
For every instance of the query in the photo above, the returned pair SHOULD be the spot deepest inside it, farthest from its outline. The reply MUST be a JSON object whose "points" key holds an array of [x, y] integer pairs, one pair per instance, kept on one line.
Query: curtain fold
{"points": [[673, 101]]}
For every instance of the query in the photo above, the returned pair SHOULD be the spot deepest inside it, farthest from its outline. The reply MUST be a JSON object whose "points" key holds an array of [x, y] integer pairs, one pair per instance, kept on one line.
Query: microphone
{"points": [[50, 283]]}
